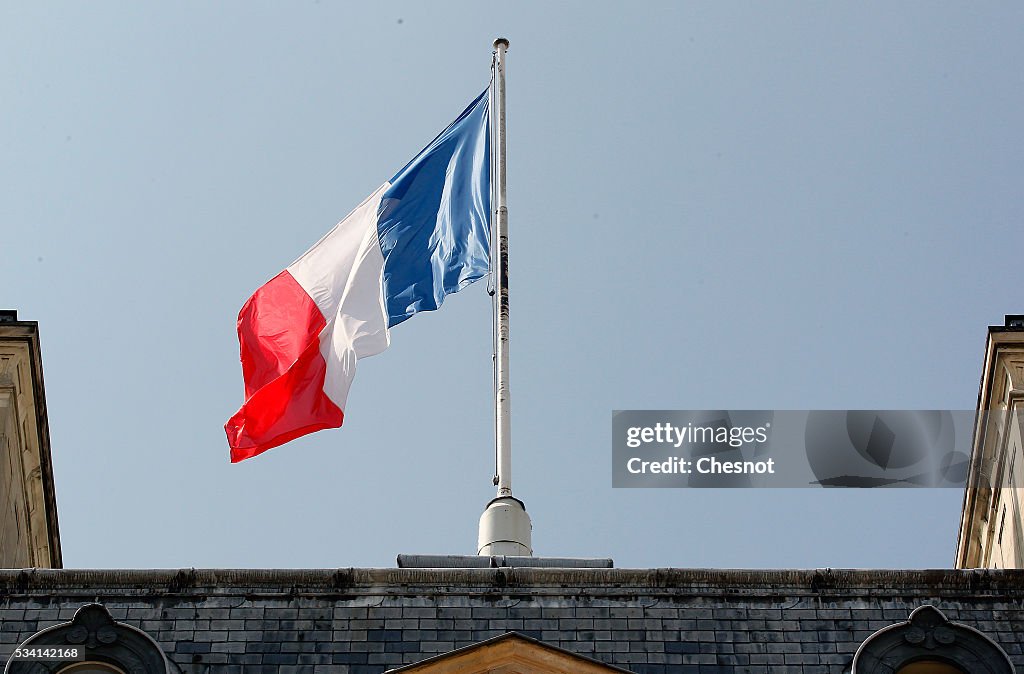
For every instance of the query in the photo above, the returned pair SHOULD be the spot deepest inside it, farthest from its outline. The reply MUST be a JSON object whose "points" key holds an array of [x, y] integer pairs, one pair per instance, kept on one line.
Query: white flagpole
{"points": [[502, 396], [505, 527]]}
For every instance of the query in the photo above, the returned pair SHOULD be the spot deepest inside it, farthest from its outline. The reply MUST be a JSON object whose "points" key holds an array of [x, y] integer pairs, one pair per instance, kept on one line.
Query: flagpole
{"points": [[502, 395], [505, 526]]}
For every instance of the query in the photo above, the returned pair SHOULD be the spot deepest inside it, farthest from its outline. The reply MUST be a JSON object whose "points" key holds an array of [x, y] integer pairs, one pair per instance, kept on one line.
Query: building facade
{"points": [[992, 520], [29, 535]]}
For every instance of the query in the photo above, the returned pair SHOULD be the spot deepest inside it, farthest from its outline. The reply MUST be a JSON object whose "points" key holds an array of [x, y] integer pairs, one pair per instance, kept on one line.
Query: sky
{"points": [[725, 205]]}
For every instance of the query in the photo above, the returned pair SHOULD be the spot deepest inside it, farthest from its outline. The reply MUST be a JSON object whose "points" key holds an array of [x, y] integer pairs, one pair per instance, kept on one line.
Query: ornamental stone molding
{"points": [[103, 639], [929, 635]]}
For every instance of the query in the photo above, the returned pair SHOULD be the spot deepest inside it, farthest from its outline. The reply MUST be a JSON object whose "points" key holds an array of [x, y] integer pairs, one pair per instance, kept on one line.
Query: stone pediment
{"points": [[510, 653]]}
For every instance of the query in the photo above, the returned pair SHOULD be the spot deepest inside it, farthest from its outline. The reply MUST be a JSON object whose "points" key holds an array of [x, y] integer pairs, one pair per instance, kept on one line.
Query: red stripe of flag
{"points": [[279, 334]]}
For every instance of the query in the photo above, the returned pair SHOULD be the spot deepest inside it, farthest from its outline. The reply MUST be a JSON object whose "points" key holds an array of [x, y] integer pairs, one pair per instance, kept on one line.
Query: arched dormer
{"points": [[109, 646], [930, 642]]}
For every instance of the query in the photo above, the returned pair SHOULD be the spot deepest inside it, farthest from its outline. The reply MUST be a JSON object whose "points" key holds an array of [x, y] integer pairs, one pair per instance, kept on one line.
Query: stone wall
{"points": [[992, 521], [28, 517]]}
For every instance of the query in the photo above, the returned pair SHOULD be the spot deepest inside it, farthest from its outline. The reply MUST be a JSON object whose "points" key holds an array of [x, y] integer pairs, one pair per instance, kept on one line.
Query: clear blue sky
{"points": [[713, 205]]}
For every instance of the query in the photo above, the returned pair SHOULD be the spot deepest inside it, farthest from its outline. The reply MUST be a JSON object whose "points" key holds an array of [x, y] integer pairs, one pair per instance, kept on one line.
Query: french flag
{"points": [[420, 236]]}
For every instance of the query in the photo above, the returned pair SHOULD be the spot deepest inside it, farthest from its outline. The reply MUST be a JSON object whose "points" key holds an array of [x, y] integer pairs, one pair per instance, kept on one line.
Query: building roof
{"points": [[649, 621]]}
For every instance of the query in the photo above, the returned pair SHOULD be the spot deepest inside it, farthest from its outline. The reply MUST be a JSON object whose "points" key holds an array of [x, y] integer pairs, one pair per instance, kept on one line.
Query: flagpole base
{"points": [[505, 529]]}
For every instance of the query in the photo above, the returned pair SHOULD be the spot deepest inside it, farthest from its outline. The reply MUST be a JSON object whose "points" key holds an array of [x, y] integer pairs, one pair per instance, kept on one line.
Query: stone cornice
{"points": [[511, 582]]}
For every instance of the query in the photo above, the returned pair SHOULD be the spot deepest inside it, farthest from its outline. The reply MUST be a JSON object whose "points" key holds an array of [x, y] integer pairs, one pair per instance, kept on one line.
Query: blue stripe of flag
{"points": [[434, 220]]}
